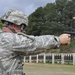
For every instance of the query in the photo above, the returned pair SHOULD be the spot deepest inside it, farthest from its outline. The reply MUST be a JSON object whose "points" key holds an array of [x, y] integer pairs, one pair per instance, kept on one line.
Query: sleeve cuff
{"points": [[57, 41]]}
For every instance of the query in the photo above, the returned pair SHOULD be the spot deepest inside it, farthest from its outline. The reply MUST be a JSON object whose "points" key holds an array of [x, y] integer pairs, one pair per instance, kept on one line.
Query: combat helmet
{"points": [[15, 16]]}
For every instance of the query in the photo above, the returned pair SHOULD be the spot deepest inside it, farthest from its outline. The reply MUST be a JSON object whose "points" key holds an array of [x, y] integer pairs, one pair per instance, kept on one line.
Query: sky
{"points": [[26, 6]]}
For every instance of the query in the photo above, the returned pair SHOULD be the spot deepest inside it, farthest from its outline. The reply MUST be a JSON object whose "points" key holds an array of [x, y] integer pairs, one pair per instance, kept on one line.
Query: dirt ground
{"points": [[48, 69]]}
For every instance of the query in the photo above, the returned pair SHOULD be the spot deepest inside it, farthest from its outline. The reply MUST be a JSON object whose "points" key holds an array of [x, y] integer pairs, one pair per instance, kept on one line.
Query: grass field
{"points": [[48, 69]]}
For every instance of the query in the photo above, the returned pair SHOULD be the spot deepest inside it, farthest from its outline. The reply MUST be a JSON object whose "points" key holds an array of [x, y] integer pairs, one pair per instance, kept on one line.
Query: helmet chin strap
{"points": [[12, 29], [6, 24]]}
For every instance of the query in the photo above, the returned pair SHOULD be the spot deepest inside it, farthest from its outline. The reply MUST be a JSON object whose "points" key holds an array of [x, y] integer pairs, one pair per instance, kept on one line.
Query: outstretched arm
{"points": [[38, 44]]}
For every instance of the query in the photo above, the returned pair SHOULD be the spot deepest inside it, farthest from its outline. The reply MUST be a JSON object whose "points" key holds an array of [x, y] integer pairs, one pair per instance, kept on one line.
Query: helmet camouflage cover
{"points": [[15, 16]]}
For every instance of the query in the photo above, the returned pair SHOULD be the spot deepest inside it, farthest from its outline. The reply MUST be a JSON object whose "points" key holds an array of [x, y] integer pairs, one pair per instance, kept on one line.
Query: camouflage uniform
{"points": [[11, 45], [14, 46]]}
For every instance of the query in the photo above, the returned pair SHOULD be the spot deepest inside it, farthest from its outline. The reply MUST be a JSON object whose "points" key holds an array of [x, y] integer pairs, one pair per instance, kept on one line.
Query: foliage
{"points": [[54, 19], [0, 24]]}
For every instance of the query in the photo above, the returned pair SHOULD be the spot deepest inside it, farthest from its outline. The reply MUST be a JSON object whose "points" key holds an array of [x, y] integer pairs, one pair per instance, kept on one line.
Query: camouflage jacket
{"points": [[13, 45]]}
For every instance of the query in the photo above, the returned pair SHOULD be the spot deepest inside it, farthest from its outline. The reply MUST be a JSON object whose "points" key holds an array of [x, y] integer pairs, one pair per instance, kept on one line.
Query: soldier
{"points": [[14, 46]]}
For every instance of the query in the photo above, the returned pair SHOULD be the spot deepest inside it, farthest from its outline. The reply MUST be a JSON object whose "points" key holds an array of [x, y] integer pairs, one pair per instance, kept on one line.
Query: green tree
{"points": [[0, 24], [36, 21], [54, 19]]}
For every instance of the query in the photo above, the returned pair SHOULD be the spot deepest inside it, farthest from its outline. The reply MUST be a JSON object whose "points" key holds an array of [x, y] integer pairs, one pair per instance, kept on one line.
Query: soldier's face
{"points": [[17, 28], [5, 29]]}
